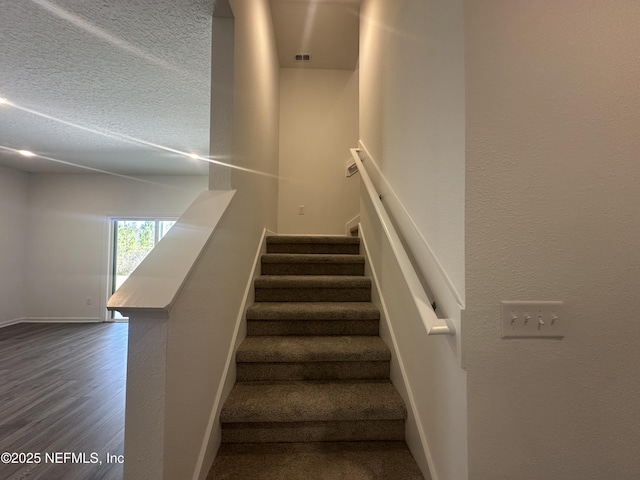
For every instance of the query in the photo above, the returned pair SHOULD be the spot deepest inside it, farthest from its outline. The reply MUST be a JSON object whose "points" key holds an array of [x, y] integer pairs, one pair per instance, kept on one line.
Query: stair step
{"points": [[281, 371], [332, 244], [312, 288], [312, 401], [312, 349], [311, 264], [306, 311], [316, 461], [312, 358], [306, 318], [313, 411], [328, 431]]}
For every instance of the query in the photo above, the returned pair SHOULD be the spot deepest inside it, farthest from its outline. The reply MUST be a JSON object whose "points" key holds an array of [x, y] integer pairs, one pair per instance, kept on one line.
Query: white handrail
{"points": [[432, 324]]}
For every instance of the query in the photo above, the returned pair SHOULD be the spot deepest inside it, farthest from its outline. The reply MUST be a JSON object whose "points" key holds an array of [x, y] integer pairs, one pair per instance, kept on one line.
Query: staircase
{"points": [[313, 398]]}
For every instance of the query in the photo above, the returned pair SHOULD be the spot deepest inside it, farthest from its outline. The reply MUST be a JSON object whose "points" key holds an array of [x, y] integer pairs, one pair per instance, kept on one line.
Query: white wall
{"points": [[221, 123], [256, 112], [553, 175], [318, 125], [412, 125], [67, 239], [13, 208], [412, 115], [202, 322]]}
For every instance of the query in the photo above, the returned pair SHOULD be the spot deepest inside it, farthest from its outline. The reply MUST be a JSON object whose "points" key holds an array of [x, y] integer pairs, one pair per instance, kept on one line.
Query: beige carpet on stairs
{"points": [[313, 399]]}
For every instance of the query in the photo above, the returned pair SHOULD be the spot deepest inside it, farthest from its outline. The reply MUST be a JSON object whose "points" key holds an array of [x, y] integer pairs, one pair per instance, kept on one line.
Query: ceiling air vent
{"points": [[303, 57]]}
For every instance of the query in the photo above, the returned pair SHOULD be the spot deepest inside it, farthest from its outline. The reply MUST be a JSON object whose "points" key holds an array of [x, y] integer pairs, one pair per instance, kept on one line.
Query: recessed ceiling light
{"points": [[26, 153]]}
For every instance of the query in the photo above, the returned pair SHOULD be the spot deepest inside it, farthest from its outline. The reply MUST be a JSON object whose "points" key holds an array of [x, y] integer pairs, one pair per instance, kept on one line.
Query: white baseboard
{"points": [[10, 321], [417, 441], [14, 321], [352, 223], [61, 320]]}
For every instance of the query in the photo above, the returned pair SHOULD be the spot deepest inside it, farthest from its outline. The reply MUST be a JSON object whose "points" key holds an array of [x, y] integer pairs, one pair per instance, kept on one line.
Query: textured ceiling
{"points": [[105, 84], [123, 86]]}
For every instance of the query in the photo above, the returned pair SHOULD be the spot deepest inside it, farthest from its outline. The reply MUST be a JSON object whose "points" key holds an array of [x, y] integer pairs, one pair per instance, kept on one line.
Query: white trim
{"points": [[384, 317], [61, 320], [157, 281], [352, 223], [424, 256], [431, 322], [11, 321], [200, 473], [15, 321]]}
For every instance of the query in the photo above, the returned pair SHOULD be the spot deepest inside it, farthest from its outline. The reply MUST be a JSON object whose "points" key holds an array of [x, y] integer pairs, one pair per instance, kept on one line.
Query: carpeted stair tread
{"points": [[311, 258], [312, 318], [309, 402], [312, 288], [315, 461], [313, 244], [312, 357], [312, 281], [313, 349], [312, 327], [313, 311], [311, 264], [323, 370], [308, 239], [324, 431]]}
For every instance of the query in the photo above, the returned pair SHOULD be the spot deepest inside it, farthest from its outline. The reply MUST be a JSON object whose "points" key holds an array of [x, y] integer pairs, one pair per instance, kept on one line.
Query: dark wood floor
{"points": [[62, 389]]}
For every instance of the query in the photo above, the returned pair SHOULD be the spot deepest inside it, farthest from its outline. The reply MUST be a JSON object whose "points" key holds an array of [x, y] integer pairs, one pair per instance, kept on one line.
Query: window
{"points": [[133, 239]]}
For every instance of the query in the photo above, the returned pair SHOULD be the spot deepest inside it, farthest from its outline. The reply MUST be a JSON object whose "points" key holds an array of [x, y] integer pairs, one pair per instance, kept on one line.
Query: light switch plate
{"points": [[532, 319]]}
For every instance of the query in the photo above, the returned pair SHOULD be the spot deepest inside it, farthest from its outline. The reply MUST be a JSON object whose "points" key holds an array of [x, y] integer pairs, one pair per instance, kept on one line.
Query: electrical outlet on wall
{"points": [[532, 319]]}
